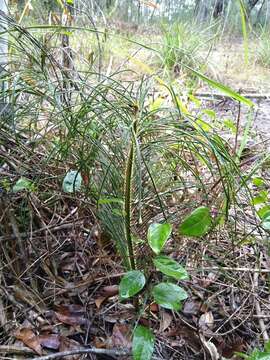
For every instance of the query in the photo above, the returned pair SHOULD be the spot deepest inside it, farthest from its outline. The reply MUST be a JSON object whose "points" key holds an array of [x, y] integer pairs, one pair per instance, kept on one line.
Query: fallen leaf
{"points": [[165, 322], [28, 337], [71, 315], [99, 343], [210, 347], [229, 348], [191, 307], [186, 335], [121, 336], [50, 341], [67, 344], [206, 322], [207, 281], [107, 291], [111, 290], [99, 301]]}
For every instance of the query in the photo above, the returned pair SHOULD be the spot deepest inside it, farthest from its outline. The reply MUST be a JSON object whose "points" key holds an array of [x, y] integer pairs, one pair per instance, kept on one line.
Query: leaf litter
{"points": [[66, 286]]}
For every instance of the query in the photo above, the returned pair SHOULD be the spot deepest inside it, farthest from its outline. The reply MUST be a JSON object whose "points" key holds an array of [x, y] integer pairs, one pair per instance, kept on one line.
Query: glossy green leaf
{"points": [[143, 343], [131, 283], [157, 236], [170, 267], [197, 223], [72, 181], [22, 184], [169, 296]]}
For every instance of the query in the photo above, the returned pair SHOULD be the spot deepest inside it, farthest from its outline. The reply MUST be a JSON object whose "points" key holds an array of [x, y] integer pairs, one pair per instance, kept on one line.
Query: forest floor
{"points": [[61, 292]]}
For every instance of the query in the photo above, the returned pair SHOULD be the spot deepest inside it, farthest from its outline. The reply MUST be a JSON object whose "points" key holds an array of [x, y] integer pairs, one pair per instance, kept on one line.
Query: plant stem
{"points": [[128, 196]]}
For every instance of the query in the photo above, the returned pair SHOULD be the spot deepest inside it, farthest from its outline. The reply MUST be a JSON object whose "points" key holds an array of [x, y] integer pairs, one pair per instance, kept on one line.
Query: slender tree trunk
{"points": [[4, 38], [3, 43]]}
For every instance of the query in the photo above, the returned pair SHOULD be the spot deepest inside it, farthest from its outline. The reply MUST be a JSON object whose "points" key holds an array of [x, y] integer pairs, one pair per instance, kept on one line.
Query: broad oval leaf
{"points": [[197, 223], [170, 267], [72, 181], [143, 343], [157, 236], [169, 295], [131, 283]]}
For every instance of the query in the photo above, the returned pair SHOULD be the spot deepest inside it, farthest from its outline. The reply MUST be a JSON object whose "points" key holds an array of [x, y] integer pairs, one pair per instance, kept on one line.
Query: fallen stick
{"points": [[222, 96], [83, 351], [13, 349], [224, 268], [259, 311]]}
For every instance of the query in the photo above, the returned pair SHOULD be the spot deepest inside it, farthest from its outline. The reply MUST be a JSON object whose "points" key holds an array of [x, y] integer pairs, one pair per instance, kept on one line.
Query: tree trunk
{"points": [[4, 38], [3, 43]]}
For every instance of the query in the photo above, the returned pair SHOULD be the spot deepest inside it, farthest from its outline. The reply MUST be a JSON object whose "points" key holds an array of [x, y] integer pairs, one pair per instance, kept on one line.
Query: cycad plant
{"points": [[135, 155]]}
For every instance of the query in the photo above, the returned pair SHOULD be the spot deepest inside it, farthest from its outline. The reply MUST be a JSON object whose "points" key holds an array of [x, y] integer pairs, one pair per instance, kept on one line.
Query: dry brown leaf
{"points": [[111, 290], [187, 335], [28, 337], [211, 277], [71, 314], [67, 344], [210, 347], [99, 343], [107, 292], [99, 301], [121, 336], [206, 322], [50, 341], [191, 307], [165, 322]]}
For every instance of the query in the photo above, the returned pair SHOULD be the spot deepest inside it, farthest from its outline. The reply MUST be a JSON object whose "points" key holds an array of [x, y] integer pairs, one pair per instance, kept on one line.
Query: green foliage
{"points": [[132, 283], [169, 296], [197, 224], [143, 343], [181, 45], [157, 236], [170, 267], [264, 48], [258, 354]]}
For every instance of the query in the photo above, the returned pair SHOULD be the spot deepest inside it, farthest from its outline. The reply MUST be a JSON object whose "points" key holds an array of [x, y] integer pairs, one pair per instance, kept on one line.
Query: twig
{"points": [[259, 311], [222, 96], [84, 351], [221, 268], [13, 349]]}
